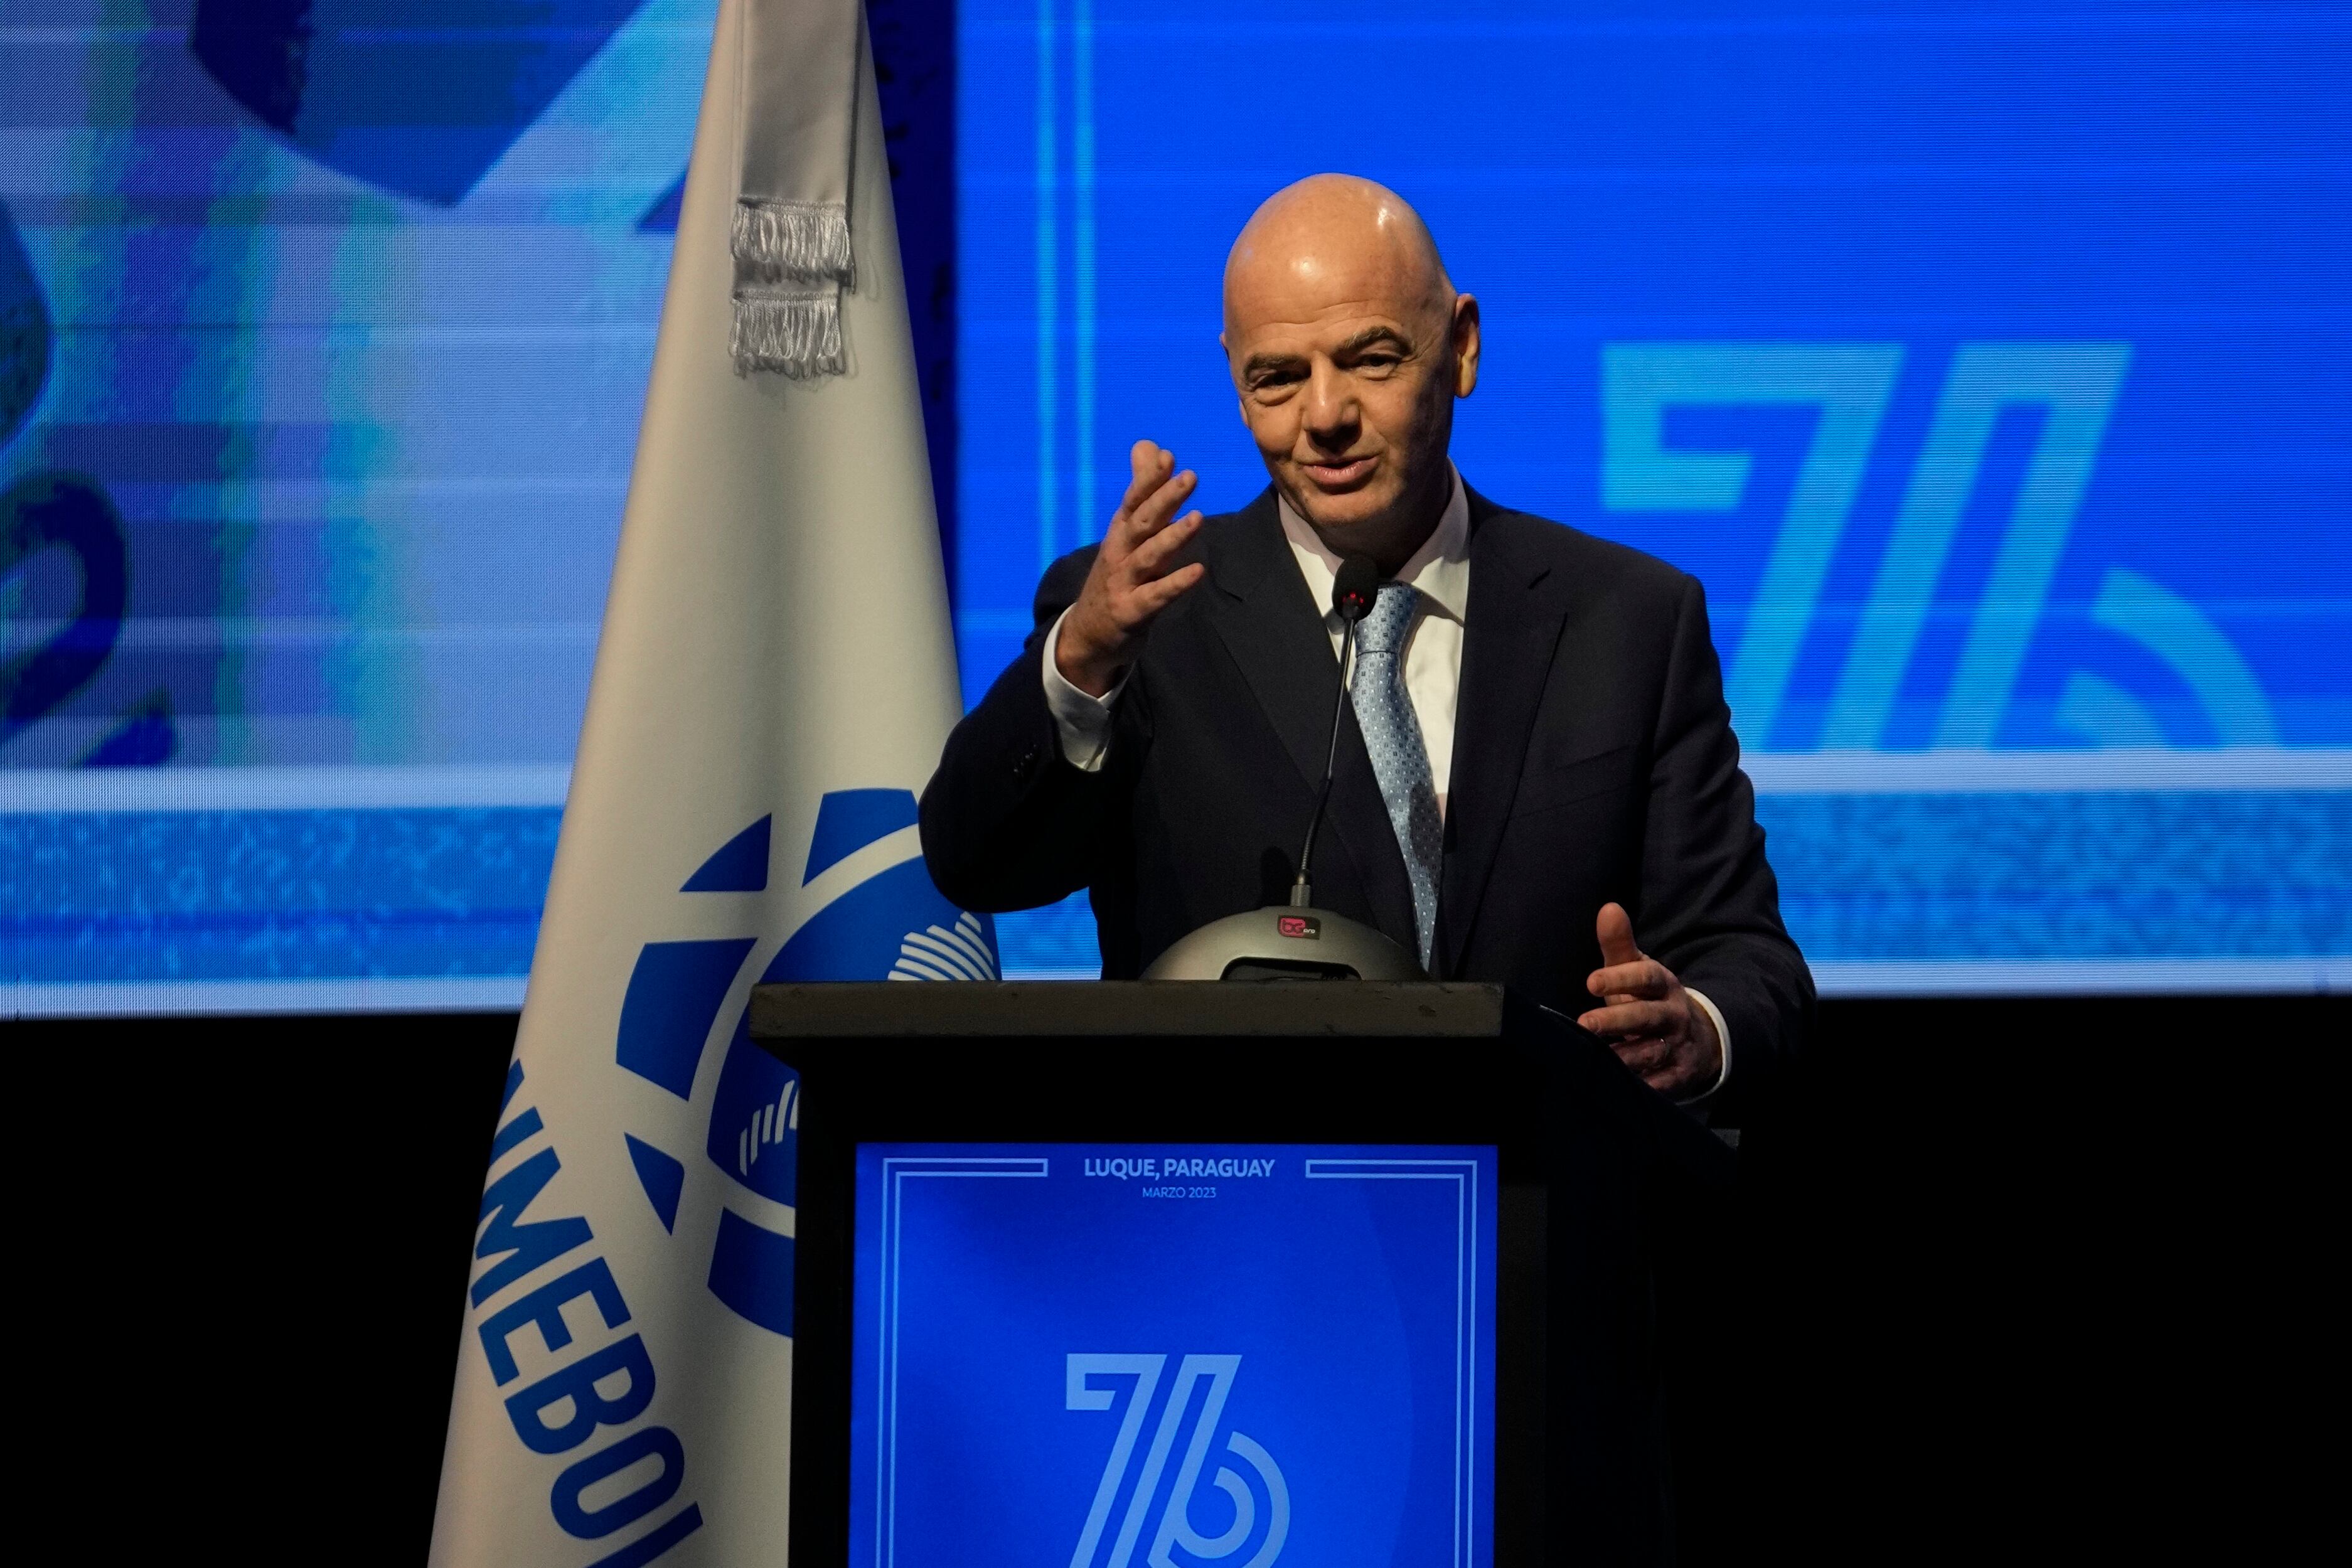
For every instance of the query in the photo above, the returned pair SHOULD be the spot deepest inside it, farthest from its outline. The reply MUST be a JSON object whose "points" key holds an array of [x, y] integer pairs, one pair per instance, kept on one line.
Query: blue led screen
{"points": [[1986, 364], [326, 325]]}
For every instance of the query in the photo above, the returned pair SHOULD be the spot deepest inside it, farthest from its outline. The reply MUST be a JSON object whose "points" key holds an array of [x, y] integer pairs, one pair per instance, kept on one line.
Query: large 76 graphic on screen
{"points": [[1201, 1387], [2074, 385]]}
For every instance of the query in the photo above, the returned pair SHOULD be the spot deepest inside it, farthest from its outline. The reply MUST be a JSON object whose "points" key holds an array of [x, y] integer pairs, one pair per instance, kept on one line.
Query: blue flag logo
{"points": [[891, 925]]}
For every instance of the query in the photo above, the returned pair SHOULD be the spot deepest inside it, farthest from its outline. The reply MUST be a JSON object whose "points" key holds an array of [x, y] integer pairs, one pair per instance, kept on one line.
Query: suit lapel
{"points": [[1270, 624], [1510, 634]]}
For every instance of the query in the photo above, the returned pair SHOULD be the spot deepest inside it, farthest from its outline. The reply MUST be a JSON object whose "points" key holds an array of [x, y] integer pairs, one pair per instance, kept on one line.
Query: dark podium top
{"points": [[1132, 1008]]}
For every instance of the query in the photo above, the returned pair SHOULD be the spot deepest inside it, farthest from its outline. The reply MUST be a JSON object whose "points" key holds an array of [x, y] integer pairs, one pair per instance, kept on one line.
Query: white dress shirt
{"points": [[1440, 570]]}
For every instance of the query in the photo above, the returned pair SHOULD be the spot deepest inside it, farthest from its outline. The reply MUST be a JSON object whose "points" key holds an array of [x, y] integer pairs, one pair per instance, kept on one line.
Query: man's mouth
{"points": [[1339, 476]]}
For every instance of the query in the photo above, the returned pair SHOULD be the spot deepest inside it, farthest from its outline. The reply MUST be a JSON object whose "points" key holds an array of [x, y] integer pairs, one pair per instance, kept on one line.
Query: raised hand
{"points": [[1649, 1020], [1130, 582]]}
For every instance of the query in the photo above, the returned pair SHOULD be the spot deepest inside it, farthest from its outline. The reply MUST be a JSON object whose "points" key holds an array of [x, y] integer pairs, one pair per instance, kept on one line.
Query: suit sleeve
{"points": [[1711, 907], [1007, 822]]}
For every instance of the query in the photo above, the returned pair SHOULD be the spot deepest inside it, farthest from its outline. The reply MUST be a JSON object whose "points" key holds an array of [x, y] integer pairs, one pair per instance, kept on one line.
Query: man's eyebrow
{"points": [[1370, 336], [1266, 359]]}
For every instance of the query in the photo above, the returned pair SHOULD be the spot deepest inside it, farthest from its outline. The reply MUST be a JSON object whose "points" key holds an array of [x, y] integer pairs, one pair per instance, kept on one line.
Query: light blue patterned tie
{"points": [[1400, 757]]}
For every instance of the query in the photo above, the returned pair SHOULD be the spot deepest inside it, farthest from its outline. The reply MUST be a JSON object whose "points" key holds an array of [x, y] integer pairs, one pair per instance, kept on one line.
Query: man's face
{"points": [[1348, 357]]}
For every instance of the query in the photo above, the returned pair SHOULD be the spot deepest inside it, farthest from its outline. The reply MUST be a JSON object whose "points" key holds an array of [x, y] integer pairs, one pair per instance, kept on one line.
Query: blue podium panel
{"points": [[1173, 1355]]}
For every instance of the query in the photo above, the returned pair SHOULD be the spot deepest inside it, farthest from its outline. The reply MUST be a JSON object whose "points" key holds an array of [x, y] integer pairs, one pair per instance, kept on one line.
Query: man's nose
{"points": [[1331, 410]]}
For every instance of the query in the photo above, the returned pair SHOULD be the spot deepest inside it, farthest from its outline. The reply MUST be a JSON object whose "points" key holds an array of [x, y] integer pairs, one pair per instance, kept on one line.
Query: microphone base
{"points": [[1285, 943]]}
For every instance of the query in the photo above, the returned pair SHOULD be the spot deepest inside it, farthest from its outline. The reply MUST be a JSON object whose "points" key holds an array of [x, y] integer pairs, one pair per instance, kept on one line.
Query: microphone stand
{"points": [[1353, 589], [1298, 941], [1302, 887]]}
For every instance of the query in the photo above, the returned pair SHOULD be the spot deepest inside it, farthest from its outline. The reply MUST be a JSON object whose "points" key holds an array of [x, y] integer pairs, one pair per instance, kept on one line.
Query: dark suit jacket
{"points": [[1593, 759]]}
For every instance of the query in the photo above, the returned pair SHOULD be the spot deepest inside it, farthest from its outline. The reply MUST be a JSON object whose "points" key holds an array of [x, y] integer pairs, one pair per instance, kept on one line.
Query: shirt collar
{"points": [[1440, 568]]}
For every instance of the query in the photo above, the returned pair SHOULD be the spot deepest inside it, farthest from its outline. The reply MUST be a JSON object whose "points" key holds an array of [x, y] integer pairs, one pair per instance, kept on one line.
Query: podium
{"points": [[1185, 1274]]}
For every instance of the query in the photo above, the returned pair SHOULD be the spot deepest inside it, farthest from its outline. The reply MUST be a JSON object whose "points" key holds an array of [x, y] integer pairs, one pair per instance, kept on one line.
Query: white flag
{"points": [[774, 682]]}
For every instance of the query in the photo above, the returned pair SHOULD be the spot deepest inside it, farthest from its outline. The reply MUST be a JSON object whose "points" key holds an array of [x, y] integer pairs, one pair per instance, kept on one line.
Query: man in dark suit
{"points": [[1538, 782]]}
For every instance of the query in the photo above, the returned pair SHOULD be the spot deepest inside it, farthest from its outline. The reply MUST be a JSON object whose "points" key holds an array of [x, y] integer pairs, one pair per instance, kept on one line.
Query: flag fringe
{"points": [[798, 335], [808, 241]]}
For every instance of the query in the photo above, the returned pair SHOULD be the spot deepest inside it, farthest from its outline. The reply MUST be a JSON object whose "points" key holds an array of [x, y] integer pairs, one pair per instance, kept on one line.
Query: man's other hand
{"points": [[1649, 1020], [1130, 582]]}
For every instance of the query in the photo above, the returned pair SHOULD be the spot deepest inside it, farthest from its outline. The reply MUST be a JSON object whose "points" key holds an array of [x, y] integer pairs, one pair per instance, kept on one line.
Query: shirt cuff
{"points": [[1082, 721], [1723, 1039]]}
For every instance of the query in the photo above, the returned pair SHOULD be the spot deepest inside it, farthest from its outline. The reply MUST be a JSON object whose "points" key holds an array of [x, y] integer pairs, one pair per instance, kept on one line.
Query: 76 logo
{"points": [[1246, 1473], [2073, 386]]}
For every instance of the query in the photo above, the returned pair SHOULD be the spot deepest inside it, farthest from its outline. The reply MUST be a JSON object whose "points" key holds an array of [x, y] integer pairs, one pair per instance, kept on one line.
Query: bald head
{"points": [[1333, 234], [1348, 346]]}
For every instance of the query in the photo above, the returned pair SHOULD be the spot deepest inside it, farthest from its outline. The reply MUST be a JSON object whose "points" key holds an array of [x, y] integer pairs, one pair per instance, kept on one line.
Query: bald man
{"points": [[1537, 782]]}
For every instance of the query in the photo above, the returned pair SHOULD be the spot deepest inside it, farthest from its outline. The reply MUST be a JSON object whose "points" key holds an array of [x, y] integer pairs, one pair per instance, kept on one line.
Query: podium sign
{"points": [[1172, 1354]]}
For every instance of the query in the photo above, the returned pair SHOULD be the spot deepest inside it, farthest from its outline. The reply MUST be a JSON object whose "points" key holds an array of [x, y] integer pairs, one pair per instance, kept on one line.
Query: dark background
{"points": [[2023, 1278]]}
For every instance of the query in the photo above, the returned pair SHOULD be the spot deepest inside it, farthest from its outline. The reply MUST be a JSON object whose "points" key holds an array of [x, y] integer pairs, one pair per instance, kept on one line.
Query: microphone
{"points": [[1298, 941], [1352, 592]]}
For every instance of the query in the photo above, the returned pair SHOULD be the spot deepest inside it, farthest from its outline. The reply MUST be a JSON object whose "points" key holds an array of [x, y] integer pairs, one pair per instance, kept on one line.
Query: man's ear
{"points": [[1240, 404], [1466, 344]]}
